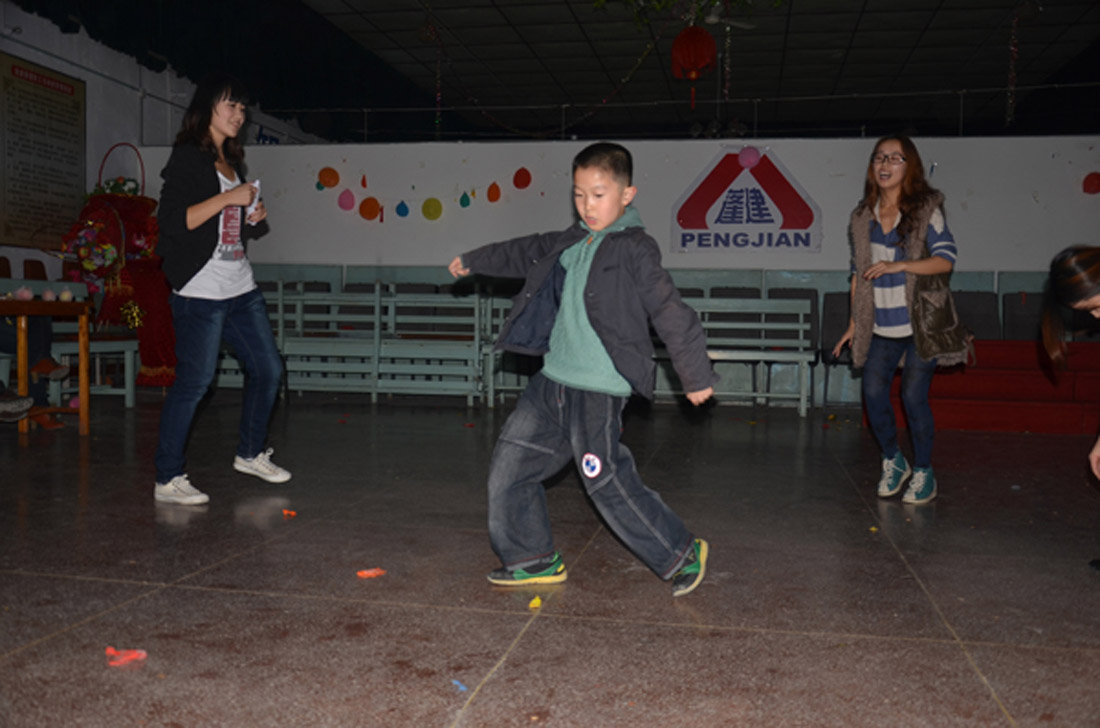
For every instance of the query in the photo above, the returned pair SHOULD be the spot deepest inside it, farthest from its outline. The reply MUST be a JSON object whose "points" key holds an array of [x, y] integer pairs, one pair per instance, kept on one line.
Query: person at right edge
{"points": [[589, 296], [899, 236], [1074, 282]]}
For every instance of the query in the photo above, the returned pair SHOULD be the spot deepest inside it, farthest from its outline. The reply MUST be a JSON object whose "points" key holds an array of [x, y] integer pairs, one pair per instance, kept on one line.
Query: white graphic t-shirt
{"points": [[228, 273]]}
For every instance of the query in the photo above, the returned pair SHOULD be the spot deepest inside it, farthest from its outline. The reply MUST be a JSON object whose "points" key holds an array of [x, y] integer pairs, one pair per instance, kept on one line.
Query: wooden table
{"points": [[20, 310]]}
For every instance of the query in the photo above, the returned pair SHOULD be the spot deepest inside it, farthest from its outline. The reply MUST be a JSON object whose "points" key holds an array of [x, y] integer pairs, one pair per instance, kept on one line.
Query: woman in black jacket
{"points": [[205, 204]]}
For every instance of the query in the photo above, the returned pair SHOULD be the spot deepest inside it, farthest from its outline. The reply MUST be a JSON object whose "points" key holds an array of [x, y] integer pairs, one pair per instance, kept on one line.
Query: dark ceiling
{"points": [[388, 70]]}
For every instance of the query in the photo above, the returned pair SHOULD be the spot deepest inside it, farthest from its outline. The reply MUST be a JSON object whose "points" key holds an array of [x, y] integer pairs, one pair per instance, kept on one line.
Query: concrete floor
{"points": [[823, 606]]}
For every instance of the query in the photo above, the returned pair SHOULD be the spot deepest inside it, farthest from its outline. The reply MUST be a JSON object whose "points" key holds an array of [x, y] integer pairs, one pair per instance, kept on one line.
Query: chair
{"points": [[978, 312], [1023, 313], [835, 316], [34, 270]]}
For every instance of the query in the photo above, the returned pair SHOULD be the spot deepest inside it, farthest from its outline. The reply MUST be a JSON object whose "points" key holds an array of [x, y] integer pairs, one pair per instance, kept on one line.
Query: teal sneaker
{"points": [[922, 488], [547, 571], [894, 472], [692, 572]]}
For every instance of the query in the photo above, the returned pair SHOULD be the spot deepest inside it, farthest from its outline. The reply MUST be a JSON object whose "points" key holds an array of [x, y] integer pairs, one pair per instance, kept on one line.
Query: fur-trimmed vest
{"points": [[863, 302]]}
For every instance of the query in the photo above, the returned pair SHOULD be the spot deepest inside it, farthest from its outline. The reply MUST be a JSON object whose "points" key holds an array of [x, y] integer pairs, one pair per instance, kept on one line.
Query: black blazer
{"points": [[189, 178]]}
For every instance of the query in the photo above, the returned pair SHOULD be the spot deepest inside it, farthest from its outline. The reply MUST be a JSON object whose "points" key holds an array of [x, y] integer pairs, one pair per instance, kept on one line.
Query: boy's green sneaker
{"points": [[547, 571], [922, 487], [691, 573], [894, 472]]}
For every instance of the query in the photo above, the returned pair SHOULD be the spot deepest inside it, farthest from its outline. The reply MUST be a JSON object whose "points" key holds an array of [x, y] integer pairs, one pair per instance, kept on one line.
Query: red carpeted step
{"points": [[1006, 384], [1055, 418], [994, 354]]}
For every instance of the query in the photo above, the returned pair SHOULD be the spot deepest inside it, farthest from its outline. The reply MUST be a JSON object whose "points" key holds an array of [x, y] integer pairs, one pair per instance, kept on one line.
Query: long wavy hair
{"points": [[915, 190], [212, 89], [1074, 277]]}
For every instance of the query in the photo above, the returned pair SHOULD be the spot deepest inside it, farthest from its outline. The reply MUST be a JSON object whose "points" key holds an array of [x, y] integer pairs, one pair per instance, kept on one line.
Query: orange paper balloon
{"points": [[329, 177], [369, 208], [494, 192]]}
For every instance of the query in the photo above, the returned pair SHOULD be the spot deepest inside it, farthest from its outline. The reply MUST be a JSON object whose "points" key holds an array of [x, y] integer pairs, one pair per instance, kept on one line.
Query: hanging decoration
{"points": [[693, 52], [1013, 54]]}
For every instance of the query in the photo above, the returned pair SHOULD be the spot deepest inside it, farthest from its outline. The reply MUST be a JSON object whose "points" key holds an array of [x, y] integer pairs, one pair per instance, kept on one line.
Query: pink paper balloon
{"points": [[346, 201], [749, 157], [1091, 184]]}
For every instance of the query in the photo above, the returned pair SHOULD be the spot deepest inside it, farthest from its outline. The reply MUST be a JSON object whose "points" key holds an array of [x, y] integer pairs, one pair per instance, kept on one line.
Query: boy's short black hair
{"points": [[612, 158]]}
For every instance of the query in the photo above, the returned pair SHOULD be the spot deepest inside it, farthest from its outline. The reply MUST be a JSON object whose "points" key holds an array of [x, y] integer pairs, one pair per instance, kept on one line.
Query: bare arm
{"points": [[847, 337], [200, 212]]}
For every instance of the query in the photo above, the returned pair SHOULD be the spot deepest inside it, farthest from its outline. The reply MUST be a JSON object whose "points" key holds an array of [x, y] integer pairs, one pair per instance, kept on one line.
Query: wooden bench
{"points": [[757, 332], [103, 344], [374, 339]]}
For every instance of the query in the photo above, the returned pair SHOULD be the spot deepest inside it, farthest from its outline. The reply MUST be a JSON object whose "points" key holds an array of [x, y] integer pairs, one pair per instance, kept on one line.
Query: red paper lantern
{"points": [[693, 52]]}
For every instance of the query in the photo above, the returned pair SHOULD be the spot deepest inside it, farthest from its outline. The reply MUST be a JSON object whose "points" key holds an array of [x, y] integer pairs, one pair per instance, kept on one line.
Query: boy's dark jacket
{"points": [[189, 178], [627, 288]]}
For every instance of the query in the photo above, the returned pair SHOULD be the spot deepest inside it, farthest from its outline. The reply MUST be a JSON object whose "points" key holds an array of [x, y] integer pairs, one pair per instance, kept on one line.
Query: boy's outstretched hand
{"points": [[456, 268], [697, 398]]}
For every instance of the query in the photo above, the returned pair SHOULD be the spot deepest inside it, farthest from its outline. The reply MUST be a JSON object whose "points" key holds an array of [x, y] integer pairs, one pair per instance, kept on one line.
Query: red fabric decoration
{"points": [[156, 337], [693, 52]]}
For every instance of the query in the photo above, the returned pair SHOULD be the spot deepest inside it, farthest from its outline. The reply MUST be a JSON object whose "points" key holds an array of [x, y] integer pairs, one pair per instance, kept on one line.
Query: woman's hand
{"points": [[240, 195], [258, 214], [1094, 459], [845, 340], [457, 269], [884, 268]]}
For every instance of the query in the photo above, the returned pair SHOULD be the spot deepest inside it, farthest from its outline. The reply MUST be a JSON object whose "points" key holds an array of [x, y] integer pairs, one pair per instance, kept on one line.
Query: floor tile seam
{"points": [[87, 620], [537, 614], [403, 604], [82, 577], [936, 607]]}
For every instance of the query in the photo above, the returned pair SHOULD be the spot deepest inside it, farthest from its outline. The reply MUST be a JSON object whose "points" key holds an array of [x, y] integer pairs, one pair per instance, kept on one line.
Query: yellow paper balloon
{"points": [[432, 208]]}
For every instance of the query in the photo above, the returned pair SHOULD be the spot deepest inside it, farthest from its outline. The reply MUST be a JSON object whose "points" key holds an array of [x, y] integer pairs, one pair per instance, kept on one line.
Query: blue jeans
{"points": [[39, 341], [200, 326], [553, 424], [916, 378]]}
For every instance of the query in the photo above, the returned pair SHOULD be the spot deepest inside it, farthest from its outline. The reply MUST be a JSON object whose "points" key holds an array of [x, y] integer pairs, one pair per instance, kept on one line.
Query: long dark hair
{"points": [[196, 120], [915, 190], [1074, 277]]}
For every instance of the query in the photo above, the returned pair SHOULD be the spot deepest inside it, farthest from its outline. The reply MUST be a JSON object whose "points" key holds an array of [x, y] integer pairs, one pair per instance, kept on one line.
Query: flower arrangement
{"points": [[116, 225]]}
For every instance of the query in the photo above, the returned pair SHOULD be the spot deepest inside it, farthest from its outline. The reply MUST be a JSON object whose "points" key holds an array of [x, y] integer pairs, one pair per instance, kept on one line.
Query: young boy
{"points": [[590, 293]]}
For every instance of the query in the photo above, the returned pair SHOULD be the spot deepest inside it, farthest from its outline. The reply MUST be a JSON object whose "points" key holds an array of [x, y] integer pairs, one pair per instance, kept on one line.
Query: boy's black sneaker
{"points": [[691, 573], [547, 571]]}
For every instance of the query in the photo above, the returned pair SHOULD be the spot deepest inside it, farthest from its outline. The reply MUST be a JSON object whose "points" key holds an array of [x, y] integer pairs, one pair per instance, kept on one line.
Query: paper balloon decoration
{"points": [[402, 209], [522, 178], [464, 201], [328, 177], [749, 157], [1091, 184], [494, 192], [369, 208], [432, 208], [693, 51], [346, 201]]}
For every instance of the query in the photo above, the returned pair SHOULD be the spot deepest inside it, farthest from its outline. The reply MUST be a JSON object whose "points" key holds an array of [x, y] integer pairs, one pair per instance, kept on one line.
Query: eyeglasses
{"points": [[895, 159]]}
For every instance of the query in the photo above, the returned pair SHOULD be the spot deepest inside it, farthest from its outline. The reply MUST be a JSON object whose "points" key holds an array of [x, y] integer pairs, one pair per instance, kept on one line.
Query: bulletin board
{"points": [[42, 176]]}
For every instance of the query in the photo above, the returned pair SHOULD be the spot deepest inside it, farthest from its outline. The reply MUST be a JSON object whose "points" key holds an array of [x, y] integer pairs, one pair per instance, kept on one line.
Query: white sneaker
{"points": [[262, 467], [179, 490]]}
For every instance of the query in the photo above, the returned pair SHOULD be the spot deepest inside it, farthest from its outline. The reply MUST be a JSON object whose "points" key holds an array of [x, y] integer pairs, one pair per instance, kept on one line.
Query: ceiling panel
{"points": [[538, 52]]}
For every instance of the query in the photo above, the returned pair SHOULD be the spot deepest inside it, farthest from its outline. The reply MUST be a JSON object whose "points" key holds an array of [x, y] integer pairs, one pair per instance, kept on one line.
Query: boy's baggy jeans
{"points": [[553, 423]]}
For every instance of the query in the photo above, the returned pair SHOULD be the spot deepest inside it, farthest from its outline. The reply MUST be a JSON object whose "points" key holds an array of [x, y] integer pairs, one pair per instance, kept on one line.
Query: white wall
{"points": [[1011, 202]]}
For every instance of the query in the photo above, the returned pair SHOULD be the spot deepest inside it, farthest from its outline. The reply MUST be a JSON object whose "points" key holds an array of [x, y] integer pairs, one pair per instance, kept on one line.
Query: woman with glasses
{"points": [[898, 234]]}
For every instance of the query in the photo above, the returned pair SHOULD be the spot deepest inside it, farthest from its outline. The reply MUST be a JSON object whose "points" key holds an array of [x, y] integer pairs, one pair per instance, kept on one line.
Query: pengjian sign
{"points": [[746, 201]]}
